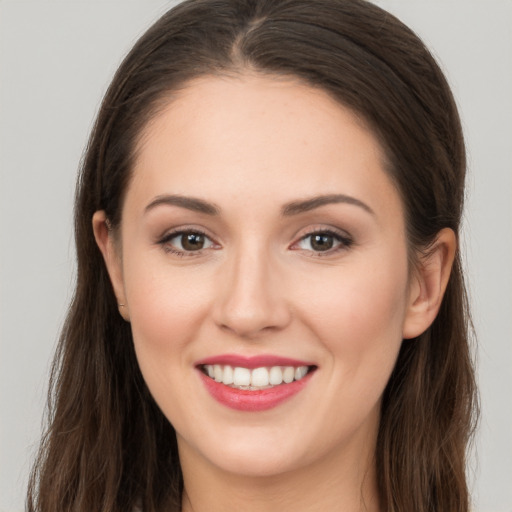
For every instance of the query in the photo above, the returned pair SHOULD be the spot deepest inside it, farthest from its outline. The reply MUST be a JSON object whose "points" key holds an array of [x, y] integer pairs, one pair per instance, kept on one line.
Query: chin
{"points": [[256, 463], [249, 456]]}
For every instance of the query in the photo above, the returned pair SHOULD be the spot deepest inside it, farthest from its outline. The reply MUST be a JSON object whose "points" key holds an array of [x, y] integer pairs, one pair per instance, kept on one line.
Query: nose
{"points": [[251, 299]]}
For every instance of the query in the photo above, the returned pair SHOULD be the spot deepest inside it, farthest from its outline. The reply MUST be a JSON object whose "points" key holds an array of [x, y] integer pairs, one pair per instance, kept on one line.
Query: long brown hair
{"points": [[108, 447]]}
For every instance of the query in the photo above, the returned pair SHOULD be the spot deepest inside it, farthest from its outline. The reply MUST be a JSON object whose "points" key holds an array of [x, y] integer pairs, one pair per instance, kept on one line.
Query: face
{"points": [[262, 242]]}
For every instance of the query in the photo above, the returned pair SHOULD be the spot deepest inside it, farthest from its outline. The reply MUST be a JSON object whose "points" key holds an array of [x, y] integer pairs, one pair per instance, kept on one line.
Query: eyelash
{"points": [[344, 241], [164, 242]]}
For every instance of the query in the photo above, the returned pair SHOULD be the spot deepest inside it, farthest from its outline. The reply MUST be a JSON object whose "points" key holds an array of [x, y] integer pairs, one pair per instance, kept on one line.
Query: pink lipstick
{"points": [[254, 383]]}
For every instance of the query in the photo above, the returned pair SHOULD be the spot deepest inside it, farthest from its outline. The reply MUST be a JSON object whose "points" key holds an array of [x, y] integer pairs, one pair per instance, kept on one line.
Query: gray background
{"points": [[56, 59]]}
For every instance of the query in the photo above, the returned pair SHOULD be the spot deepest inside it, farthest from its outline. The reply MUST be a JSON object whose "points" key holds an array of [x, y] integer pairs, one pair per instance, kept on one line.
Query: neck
{"points": [[327, 485]]}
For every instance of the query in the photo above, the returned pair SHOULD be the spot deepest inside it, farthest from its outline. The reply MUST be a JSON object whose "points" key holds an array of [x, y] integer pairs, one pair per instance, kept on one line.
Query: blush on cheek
{"points": [[166, 304], [161, 330]]}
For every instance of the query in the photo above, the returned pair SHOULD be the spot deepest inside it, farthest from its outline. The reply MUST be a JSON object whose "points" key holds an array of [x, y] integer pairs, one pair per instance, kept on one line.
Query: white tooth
{"points": [[241, 376], [217, 372], [209, 369], [259, 377], [275, 375], [228, 375], [300, 372], [288, 374]]}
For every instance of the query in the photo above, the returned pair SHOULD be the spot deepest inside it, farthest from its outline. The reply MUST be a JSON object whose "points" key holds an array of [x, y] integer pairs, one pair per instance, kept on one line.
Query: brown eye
{"points": [[322, 242], [192, 241], [186, 242]]}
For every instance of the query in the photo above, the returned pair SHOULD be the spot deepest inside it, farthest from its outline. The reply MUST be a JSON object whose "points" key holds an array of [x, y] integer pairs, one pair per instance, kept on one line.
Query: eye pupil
{"points": [[192, 241], [322, 242]]}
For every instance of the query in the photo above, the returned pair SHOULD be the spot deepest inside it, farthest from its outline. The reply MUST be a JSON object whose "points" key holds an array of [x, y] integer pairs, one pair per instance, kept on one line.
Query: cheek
{"points": [[360, 299], [166, 311], [358, 316]]}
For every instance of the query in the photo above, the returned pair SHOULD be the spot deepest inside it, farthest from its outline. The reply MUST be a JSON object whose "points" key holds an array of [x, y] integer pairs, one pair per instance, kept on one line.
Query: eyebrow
{"points": [[289, 209], [190, 203], [296, 207]]}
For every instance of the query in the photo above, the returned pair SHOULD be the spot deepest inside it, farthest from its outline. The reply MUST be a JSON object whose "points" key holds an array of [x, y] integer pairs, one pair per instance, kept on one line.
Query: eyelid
{"points": [[164, 240], [343, 237], [346, 240]]}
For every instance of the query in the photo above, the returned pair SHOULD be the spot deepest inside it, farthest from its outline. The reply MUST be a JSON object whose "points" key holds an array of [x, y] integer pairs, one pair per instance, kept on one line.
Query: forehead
{"points": [[258, 136]]}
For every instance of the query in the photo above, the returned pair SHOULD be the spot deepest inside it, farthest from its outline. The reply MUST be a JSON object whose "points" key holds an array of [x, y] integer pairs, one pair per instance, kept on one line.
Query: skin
{"points": [[251, 145]]}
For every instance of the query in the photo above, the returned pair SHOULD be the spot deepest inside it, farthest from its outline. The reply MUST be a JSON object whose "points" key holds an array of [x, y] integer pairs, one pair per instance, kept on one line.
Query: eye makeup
{"points": [[190, 242]]}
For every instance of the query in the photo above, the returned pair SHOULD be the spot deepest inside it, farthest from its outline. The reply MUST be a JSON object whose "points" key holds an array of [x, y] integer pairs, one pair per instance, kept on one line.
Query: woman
{"points": [[270, 310]]}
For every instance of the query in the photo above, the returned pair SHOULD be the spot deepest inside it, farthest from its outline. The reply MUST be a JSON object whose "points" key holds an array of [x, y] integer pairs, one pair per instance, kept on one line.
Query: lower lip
{"points": [[253, 401]]}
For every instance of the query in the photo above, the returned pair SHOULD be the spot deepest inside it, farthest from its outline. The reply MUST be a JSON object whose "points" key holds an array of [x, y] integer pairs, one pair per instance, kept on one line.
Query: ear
{"points": [[107, 245], [428, 284]]}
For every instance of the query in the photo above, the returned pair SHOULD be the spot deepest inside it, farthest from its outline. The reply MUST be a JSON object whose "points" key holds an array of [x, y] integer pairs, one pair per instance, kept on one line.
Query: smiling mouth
{"points": [[255, 379]]}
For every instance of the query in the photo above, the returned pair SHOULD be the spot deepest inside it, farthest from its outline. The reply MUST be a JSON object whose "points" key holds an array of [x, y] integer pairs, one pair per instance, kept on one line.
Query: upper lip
{"points": [[252, 361]]}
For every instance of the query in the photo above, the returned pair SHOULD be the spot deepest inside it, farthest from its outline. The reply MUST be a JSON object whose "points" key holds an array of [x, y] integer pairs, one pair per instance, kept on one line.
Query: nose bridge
{"points": [[251, 300]]}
